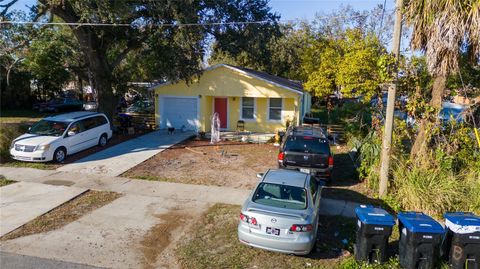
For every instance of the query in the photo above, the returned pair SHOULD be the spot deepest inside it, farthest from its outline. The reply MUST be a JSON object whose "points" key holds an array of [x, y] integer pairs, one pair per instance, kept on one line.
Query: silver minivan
{"points": [[281, 214]]}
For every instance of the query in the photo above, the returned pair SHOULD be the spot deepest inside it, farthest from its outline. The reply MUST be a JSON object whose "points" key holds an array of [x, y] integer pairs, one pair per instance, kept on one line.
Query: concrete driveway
{"points": [[23, 201], [116, 160]]}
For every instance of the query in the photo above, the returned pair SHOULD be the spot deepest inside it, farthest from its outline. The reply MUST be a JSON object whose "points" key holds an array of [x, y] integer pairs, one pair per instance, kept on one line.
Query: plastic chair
{"points": [[240, 126]]}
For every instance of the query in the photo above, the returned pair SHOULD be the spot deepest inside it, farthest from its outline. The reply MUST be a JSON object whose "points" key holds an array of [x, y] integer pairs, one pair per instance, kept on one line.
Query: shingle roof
{"points": [[292, 84]]}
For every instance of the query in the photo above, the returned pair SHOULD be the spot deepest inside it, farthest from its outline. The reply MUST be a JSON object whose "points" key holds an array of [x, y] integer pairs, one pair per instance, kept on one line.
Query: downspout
{"points": [[302, 109]]}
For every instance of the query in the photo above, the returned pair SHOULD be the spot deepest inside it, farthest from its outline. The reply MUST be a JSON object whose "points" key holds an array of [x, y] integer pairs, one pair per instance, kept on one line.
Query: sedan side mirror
{"points": [[71, 133], [260, 175]]}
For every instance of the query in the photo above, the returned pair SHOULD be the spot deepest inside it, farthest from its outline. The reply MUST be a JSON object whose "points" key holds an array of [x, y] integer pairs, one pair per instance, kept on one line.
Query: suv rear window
{"points": [[282, 196], [307, 144]]}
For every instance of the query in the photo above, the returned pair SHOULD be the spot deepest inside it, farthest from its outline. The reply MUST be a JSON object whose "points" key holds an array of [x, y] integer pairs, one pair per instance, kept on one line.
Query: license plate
{"points": [[273, 231], [304, 170]]}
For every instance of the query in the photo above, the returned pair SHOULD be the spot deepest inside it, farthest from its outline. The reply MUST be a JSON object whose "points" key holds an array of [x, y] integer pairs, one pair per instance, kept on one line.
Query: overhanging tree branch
{"points": [[6, 7]]}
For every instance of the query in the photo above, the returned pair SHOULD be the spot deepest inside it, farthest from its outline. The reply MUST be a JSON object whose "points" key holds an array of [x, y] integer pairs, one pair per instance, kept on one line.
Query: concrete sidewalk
{"points": [[110, 236], [116, 160], [168, 190], [23, 201]]}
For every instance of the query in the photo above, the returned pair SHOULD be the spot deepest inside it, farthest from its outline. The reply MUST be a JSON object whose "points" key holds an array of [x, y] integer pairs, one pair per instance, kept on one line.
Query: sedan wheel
{"points": [[59, 155]]}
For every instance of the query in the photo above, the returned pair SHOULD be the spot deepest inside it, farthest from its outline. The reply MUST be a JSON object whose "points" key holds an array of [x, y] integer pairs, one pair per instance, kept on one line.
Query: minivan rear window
{"points": [[282, 196], [307, 145]]}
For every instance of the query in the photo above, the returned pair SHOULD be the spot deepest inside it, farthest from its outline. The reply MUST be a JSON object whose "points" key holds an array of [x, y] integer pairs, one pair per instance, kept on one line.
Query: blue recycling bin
{"points": [[374, 227], [420, 240], [462, 243]]}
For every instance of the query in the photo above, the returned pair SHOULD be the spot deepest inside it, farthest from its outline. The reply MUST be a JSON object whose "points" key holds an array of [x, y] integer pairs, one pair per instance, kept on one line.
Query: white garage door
{"points": [[178, 112]]}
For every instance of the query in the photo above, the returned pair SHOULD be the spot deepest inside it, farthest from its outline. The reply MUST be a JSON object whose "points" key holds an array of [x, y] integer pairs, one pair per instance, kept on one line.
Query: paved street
{"points": [[10, 260]]}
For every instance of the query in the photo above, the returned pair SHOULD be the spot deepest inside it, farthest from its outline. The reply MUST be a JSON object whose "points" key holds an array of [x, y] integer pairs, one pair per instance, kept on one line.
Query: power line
{"points": [[179, 24]]}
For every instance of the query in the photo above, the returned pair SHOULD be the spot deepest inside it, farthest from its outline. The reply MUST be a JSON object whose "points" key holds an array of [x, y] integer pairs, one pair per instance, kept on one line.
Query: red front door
{"points": [[221, 108]]}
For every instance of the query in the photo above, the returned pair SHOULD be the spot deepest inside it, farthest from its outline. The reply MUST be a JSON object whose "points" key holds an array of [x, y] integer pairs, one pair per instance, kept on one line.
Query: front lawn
{"points": [[232, 164], [21, 116], [214, 244]]}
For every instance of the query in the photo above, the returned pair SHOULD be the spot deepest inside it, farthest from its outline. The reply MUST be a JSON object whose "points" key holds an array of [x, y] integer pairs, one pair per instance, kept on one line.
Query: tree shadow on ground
{"points": [[335, 237], [346, 184]]}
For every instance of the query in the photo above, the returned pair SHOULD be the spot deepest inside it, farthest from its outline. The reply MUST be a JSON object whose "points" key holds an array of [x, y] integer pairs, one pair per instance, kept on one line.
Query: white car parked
{"points": [[53, 138]]}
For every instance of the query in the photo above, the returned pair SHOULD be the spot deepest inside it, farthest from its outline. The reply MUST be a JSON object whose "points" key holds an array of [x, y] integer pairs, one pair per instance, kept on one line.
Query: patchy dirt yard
{"points": [[232, 164], [218, 238]]}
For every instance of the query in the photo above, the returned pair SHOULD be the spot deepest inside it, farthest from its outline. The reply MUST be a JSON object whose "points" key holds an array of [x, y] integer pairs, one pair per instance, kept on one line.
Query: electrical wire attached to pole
{"points": [[176, 24]]}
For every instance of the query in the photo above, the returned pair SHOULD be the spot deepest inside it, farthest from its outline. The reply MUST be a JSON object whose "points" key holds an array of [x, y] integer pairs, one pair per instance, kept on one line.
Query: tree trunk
{"points": [[92, 47], [420, 146], [101, 71], [106, 99]]}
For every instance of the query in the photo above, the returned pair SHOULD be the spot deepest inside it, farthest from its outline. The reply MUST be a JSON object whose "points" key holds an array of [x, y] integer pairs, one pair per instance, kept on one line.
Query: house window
{"points": [[275, 109], [248, 108]]}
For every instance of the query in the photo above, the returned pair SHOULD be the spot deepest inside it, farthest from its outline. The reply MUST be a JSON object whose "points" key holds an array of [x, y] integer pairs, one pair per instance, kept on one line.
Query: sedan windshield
{"points": [[282, 196], [50, 128]]}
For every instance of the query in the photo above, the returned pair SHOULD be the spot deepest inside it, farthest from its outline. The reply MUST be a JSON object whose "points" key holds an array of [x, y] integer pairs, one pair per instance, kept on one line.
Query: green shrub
{"points": [[430, 190], [368, 156], [351, 263], [472, 197], [8, 132]]}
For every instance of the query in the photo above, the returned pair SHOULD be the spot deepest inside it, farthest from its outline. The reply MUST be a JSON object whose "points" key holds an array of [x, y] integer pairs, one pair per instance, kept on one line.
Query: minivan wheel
{"points": [[59, 155], [102, 142]]}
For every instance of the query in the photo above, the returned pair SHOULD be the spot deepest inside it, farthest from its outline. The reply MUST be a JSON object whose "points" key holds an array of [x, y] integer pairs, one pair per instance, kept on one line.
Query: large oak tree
{"points": [[156, 33]]}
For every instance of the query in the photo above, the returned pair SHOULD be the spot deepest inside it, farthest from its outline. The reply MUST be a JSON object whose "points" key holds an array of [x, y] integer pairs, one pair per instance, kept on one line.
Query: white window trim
{"points": [[254, 109], [268, 111]]}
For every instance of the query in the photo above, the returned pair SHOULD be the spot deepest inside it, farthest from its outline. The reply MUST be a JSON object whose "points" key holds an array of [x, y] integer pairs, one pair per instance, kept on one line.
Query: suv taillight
{"points": [[330, 161], [301, 228], [281, 156]]}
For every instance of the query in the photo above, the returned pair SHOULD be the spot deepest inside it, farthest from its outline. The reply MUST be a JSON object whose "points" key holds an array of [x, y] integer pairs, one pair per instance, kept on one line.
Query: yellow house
{"points": [[259, 101]]}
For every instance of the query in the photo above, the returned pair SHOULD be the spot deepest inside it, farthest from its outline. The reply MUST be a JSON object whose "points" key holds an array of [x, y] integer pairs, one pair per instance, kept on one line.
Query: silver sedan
{"points": [[281, 214]]}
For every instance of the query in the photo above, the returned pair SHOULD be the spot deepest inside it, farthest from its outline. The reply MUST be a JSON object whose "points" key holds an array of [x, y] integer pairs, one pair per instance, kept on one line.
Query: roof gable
{"points": [[290, 85], [276, 80]]}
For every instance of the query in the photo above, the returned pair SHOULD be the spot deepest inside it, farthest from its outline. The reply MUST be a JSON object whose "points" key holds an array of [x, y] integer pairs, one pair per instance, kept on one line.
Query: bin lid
{"points": [[374, 215], [462, 222], [418, 222]]}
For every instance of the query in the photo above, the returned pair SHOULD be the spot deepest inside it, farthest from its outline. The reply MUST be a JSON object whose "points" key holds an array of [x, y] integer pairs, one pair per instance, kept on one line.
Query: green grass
{"points": [[155, 178], [339, 114], [21, 115], [5, 182], [216, 244], [42, 166], [8, 132]]}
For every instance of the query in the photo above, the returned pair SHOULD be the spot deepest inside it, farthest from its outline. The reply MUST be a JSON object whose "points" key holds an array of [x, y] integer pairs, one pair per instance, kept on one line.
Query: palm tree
{"points": [[442, 29]]}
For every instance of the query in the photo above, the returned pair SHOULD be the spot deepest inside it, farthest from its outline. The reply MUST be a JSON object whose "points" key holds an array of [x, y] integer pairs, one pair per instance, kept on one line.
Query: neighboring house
{"points": [[262, 101]]}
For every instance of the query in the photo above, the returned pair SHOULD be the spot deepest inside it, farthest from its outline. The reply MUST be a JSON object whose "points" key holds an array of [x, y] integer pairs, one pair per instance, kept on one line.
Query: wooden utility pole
{"points": [[387, 134]]}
